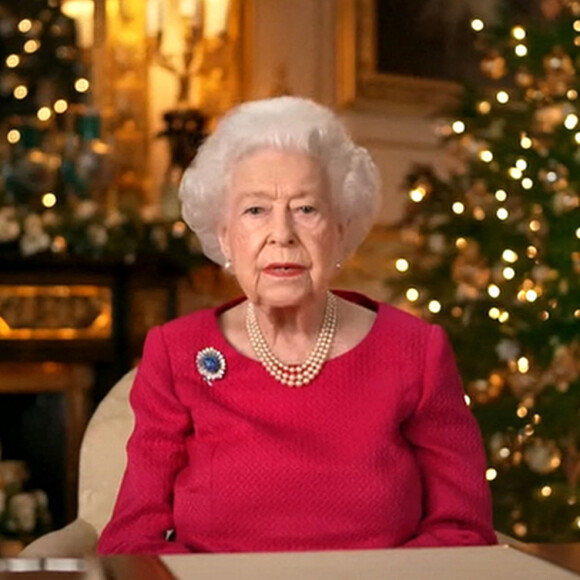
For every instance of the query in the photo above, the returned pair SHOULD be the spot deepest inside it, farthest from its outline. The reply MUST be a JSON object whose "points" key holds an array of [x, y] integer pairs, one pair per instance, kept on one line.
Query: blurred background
{"points": [[469, 109]]}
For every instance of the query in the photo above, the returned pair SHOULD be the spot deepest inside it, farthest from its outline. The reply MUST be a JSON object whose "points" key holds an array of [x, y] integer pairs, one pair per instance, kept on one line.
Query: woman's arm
{"points": [[450, 455], [155, 454]]}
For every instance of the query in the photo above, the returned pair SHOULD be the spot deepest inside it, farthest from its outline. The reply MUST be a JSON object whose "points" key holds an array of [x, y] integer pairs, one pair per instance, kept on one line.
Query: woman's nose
{"points": [[282, 227]]}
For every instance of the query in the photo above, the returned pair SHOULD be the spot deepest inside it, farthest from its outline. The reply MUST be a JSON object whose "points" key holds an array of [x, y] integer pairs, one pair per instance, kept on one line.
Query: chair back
{"points": [[103, 454]]}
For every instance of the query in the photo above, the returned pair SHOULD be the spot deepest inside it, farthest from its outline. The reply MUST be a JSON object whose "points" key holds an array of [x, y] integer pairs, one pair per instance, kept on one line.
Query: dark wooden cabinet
{"points": [[69, 329]]}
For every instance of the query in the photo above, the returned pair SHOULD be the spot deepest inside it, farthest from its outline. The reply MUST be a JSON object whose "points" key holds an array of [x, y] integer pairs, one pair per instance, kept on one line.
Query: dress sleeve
{"points": [[450, 455], [156, 453]]}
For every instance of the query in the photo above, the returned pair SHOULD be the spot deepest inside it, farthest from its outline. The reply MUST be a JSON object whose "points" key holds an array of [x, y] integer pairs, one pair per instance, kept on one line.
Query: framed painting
{"points": [[411, 51]]}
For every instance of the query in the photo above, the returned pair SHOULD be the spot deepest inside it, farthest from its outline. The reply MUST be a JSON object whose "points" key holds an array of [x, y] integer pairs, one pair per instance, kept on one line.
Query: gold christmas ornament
{"points": [[470, 271], [554, 176], [524, 78], [484, 391], [551, 9], [565, 201], [500, 448], [494, 65], [564, 368], [546, 119], [560, 73], [542, 457], [525, 384]]}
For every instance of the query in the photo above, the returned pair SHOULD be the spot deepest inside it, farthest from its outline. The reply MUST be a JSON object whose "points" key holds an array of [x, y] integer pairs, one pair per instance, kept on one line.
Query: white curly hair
{"points": [[291, 123]]}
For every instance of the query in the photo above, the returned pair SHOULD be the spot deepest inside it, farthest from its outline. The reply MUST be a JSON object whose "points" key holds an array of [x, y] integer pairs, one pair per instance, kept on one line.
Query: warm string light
{"points": [[412, 294], [515, 173], [20, 92], [417, 194], [486, 156], [458, 208], [501, 316], [60, 106], [484, 107], [502, 97], [402, 265], [25, 25], [458, 127], [521, 164], [509, 256], [500, 195], [44, 114], [571, 121], [508, 273], [49, 200], [31, 46], [527, 183], [491, 474], [523, 365], [13, 136], [479, 213], [526, 142], [12, 61], [502, 214], [82, 85], [519, 32], [477, 24], [178, 229]]}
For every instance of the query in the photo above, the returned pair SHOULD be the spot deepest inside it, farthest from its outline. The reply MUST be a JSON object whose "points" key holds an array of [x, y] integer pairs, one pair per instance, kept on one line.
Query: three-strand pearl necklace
{"points": [[294, 375]]}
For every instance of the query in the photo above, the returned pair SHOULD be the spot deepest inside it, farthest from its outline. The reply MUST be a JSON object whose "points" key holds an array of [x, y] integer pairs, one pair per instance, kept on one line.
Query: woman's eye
{"points": [[307, 209], [254, 210]]}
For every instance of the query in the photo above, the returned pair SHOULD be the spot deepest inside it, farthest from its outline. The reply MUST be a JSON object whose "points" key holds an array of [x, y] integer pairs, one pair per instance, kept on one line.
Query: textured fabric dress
{"points": [[379, 451]]}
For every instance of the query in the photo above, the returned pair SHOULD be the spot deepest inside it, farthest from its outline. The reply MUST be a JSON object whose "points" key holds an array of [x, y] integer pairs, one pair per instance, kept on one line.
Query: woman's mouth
{"points": [[284, 270]]}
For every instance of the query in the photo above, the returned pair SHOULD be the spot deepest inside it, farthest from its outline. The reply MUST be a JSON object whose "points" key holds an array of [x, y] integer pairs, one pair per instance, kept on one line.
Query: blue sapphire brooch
{"points": [[211, 364]]}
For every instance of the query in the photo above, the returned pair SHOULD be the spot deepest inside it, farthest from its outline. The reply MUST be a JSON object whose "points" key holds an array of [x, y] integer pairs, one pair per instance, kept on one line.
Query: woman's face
{"points": [[279, 230]]}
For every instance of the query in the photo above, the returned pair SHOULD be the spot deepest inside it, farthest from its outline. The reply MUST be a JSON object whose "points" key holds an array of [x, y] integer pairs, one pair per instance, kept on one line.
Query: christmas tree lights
{"points": [[494, 257]]}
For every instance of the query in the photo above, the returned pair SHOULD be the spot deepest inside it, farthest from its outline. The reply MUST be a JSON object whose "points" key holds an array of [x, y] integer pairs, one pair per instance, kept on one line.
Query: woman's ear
{"points": [[341, 228], [222, 235]]}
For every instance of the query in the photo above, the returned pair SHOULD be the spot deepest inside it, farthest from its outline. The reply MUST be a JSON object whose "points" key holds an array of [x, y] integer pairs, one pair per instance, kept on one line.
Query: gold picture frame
{"points": [[359, 80]]}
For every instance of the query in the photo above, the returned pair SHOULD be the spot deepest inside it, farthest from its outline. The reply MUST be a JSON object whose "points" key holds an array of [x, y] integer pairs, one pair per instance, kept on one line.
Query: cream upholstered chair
{"points": [[101, 466]]}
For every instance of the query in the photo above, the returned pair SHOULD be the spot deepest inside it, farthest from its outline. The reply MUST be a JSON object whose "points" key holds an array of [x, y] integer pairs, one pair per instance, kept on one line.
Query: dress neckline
{"points": [[351, 296]]}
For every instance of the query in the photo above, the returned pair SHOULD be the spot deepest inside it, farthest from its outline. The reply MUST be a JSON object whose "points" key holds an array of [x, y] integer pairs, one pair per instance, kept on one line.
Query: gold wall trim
{"points": [[59, 312]]}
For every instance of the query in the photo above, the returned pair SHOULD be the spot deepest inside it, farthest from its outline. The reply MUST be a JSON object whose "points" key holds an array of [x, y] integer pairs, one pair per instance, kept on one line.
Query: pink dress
{"points": [[379, 451]]}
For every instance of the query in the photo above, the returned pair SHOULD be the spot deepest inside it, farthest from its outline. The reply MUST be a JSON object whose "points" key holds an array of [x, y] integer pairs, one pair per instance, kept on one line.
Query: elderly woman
{"points": [[295, 417]]}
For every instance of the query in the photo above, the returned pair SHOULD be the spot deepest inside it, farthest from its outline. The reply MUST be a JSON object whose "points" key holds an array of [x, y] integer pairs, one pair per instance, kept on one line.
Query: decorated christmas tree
{"points": [[61, 194], [494, 257]]}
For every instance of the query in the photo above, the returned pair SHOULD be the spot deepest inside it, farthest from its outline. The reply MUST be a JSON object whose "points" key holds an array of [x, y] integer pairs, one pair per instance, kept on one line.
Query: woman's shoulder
{"points": [[388, 316]]}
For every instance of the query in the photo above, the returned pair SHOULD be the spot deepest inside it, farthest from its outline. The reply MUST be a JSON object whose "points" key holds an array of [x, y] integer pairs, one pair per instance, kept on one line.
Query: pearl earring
{"points": [[338, 265], [228, 265]]}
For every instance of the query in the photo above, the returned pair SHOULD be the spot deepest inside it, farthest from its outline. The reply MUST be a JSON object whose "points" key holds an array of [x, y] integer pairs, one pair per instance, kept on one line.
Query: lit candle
{"points": [[216, 17], [82, 12], [192, 9], [153, 17]]}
